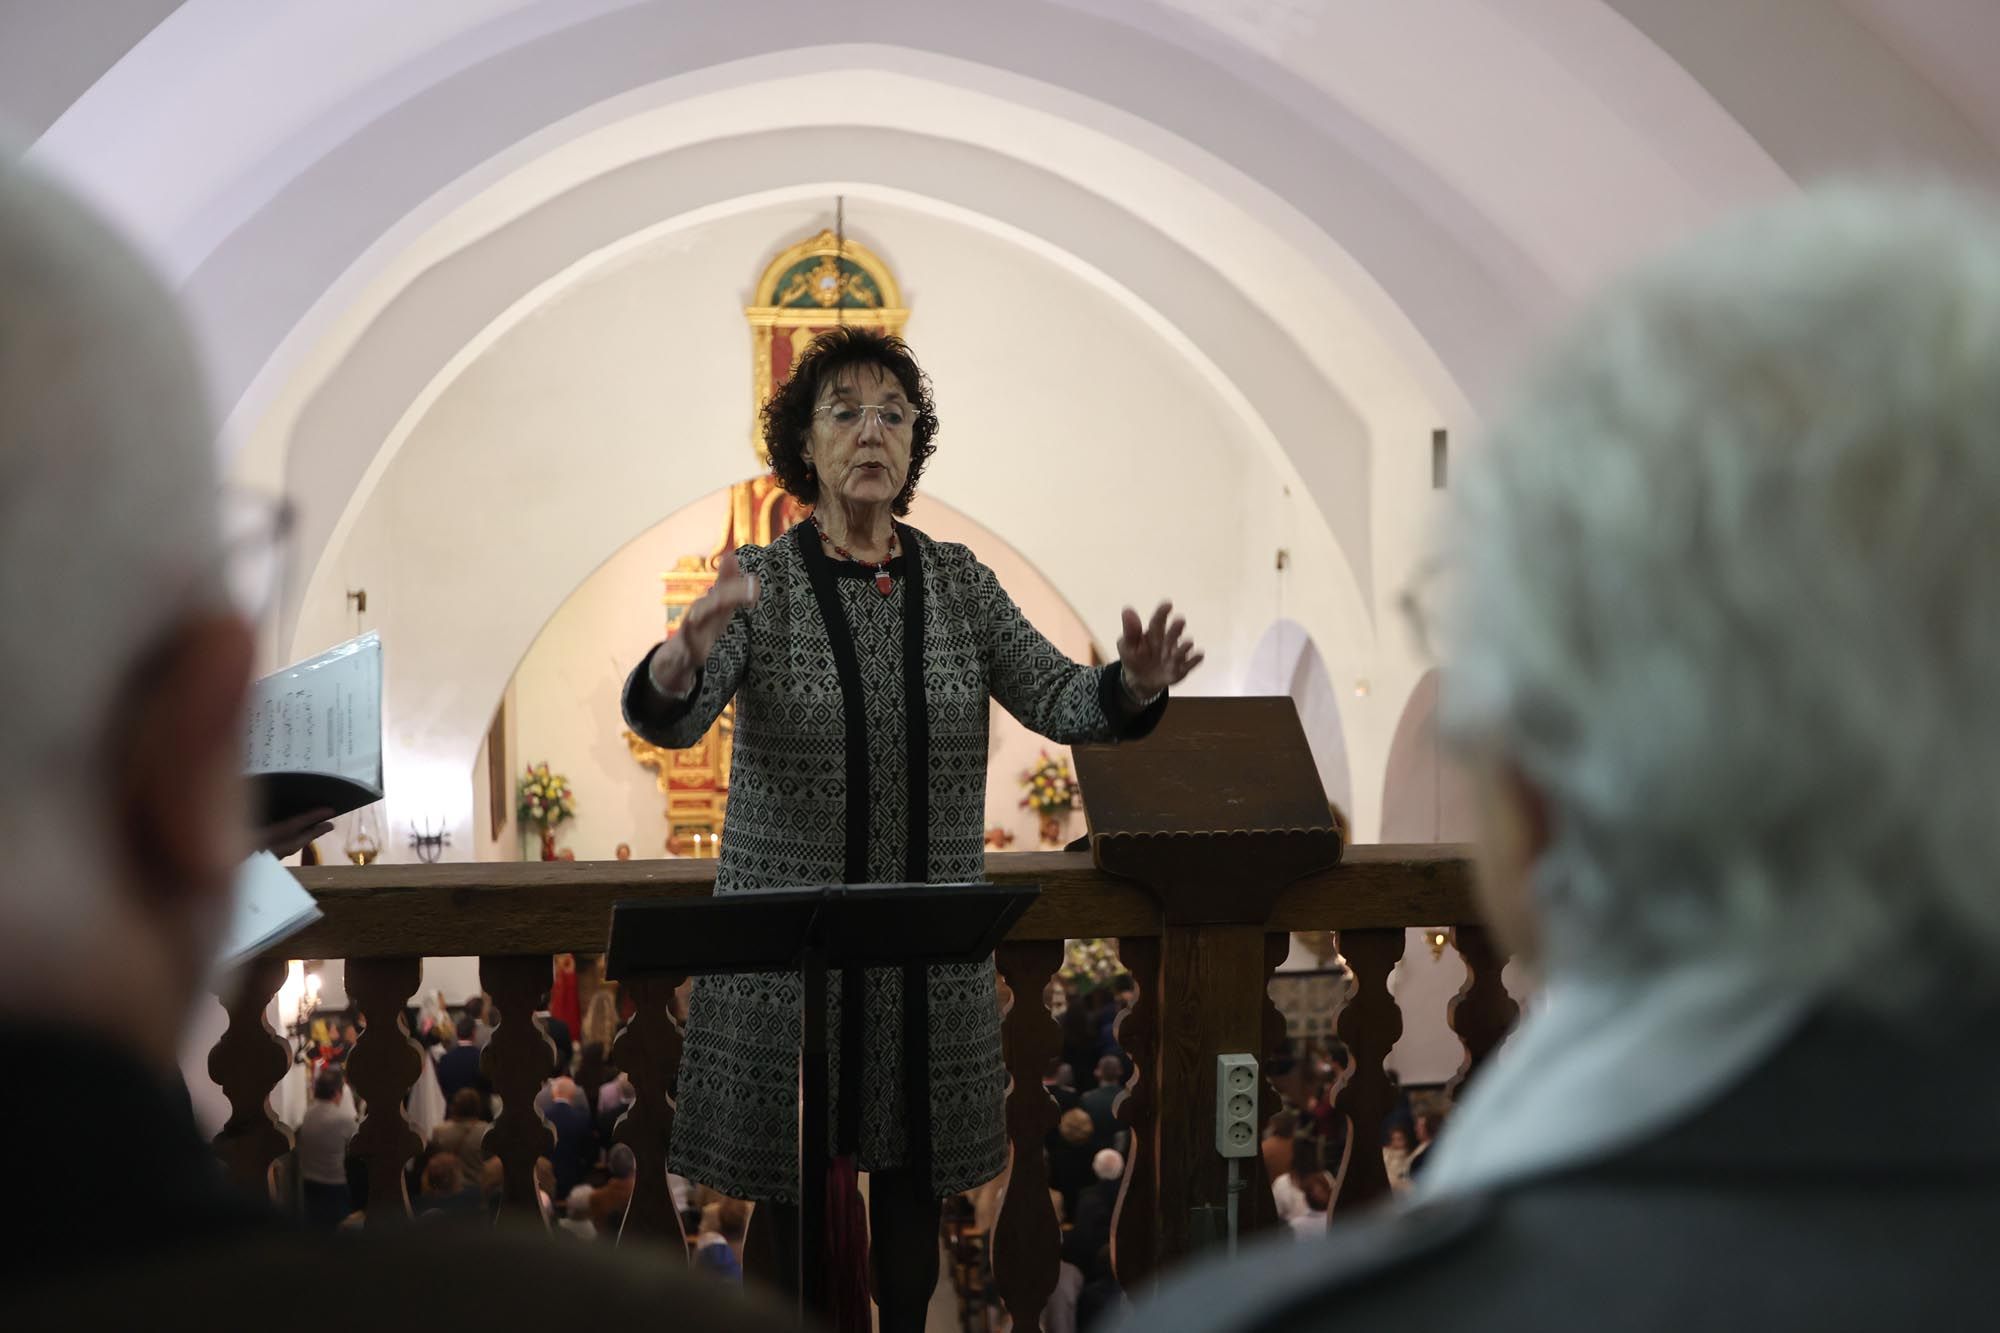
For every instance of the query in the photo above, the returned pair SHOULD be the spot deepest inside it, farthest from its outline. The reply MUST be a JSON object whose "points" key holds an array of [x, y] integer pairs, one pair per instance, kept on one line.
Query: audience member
{"points": [[322, 1142], [128, 653], [1124, 994], [558, 1034], [463, 1134], [1719, 629], [600, 1020], [1101, 1299], [593, 1070], [1102, 1100], [449, 1190], [458, 1068], [1396, 1159], [1288, 1192], [718, 1248], [575, 1151], [1069, 1160], [564, 1001], [609, 1201], [1090, 1228], [571, 1093], [480, 1010], [1428, 1125], [612, 1099], [1277, 1144], [1311, 1222], [1059, 1082], [576, 1219], [1081, 1031]]}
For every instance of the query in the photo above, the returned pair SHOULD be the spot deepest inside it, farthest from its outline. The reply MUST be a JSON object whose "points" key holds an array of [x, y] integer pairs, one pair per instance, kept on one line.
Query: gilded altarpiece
{"points": [[816, 285]]}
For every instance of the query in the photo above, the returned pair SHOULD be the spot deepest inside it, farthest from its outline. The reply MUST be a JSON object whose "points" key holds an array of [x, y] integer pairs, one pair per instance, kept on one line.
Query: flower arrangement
{"points": [[1090, 965], [545, 799], [1049, 788]]}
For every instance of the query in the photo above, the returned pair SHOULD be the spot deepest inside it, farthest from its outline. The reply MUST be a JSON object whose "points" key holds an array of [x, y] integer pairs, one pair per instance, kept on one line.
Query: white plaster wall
{"points": [[566, 693], [1071, 431]]}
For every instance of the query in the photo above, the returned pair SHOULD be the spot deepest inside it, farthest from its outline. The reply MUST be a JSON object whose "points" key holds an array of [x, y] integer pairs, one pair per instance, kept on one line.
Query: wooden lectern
{"points": [[1213, 814], [811, 931]]}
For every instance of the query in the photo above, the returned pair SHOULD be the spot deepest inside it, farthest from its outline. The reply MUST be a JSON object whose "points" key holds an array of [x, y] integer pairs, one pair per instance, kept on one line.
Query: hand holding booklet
{"points": [[314, 739], [312, 742], [269, 906]]}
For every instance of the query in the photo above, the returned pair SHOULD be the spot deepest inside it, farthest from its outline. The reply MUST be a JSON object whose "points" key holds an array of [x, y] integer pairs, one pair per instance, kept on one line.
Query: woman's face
{"points": [[861, 437]]}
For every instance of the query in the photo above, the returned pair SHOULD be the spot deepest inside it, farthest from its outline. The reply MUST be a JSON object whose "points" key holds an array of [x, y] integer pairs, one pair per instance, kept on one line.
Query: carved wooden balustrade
{"points": [[514, 916]]}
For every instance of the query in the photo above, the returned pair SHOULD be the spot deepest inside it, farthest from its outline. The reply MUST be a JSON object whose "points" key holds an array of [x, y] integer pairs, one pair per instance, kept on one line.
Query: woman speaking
{"points": [[861, 654]]}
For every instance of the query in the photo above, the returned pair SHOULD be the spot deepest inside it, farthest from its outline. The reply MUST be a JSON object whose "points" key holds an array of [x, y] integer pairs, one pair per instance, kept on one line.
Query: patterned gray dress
{"points": [[860, 757]]}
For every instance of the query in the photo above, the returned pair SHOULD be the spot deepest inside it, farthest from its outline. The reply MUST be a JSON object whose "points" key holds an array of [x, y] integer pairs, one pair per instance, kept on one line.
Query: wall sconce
{"points": [[1437, 937], [429, 844]]}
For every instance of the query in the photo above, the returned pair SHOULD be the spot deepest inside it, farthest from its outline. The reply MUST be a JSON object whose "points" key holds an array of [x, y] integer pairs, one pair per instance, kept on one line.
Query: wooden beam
{"points": [[533, 907]]}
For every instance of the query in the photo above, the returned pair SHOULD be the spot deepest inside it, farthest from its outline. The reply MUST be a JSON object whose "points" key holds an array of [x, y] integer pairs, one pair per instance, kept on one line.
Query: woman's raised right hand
{"points": [[679, 658]]}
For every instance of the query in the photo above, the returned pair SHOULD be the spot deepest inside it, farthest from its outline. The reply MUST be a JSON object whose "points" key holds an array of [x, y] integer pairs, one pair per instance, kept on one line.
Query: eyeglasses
{"points": [[256, 534], [848, 416]]}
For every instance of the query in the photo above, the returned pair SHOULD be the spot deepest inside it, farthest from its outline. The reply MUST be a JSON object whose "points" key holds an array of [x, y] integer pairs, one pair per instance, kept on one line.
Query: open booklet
{"points": [[268, 906], [314, 739]]}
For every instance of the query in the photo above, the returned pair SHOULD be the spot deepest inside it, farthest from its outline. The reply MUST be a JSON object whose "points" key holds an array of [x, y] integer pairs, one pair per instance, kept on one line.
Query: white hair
{"points": [[108, 505], [1726, 590], [1108, 1164]]}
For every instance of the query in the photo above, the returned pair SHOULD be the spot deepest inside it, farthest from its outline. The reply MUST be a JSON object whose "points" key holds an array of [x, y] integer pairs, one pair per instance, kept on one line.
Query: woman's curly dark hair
{"points": [[788, 417]]}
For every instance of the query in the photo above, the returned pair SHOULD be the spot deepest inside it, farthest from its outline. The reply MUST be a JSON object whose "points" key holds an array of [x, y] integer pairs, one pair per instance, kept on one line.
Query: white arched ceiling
{"points": [[1477, 158], [1473, 175], [349, 428]]}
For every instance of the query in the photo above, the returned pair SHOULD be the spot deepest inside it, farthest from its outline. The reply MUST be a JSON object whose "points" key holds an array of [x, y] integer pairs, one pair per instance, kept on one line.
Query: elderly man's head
{"points": [[1722, 629], [125, 663]]}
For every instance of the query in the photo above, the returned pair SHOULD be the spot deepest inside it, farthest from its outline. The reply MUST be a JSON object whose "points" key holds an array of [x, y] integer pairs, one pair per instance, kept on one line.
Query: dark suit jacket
{"points": [[459, 1068], [1099, 1101], [1092, 1229], [180, 1248], [1851, 1183]]}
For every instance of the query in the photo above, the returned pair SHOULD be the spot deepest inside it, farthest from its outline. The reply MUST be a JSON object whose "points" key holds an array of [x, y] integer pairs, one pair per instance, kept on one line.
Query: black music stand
{"points": [[810, 931]]}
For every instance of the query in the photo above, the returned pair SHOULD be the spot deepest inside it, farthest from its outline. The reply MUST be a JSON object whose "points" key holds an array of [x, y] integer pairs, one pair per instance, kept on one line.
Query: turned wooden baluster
{"points": [[1134, 1234], [1259, 1210], [1028, 1236], [1482, 1013], [247, 1062], [649, 1049], [1370, 1025], [516, 1061], [381, 1069]]}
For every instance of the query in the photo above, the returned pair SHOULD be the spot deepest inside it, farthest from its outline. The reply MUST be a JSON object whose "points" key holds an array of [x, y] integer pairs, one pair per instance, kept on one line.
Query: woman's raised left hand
{"points": [[1156, 655]]}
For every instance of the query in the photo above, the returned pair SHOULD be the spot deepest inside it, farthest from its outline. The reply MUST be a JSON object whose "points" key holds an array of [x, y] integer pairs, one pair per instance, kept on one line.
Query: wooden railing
{"points": [[385, 919]]}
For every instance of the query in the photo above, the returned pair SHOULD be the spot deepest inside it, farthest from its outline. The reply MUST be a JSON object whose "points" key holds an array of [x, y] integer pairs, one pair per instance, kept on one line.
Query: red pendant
{"points": [[883, 584]]}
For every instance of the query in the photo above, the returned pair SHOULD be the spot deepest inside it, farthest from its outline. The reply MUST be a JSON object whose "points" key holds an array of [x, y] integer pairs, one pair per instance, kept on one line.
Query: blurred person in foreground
{"points": [[127, 656], [1720, 644]]}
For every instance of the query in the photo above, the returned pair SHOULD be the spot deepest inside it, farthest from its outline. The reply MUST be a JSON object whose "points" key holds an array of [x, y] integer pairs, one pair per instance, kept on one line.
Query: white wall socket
{"points": [[1236, 1105]]}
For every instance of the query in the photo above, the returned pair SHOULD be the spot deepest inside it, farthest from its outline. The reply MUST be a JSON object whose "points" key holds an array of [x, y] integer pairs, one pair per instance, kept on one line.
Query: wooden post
{"points": [[1260, 1209], [1134, 1238], [1482, 1013], [381, 1069], [1214, 815], [649, 1049], [1027, 1235], [249, 1061], [516, 1061], [1370, 1026]]}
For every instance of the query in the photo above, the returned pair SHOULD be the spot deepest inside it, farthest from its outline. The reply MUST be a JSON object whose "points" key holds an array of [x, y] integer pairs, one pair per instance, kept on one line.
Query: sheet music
{"points": [[323, 715]]}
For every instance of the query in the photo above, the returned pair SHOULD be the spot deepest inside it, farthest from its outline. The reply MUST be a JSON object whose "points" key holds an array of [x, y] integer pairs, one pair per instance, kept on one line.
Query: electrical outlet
{"points": [[1236, 1102]]}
